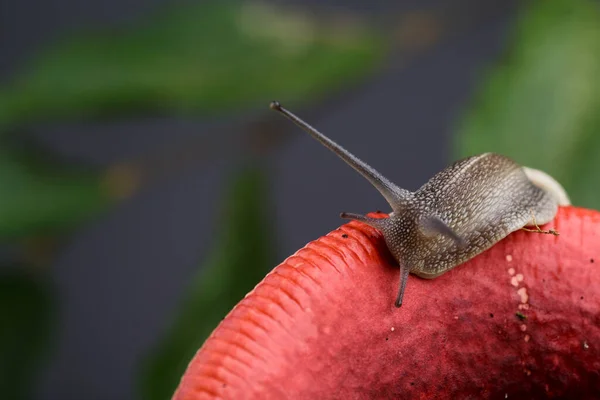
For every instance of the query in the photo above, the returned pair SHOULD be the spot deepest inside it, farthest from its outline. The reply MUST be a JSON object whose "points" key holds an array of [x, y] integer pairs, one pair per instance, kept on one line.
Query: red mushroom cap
{"points": [[520, 320]]}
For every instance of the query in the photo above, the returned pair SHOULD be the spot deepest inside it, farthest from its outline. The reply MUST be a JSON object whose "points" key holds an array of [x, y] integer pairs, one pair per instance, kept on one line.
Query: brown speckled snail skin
{"points": [[462, 211]]}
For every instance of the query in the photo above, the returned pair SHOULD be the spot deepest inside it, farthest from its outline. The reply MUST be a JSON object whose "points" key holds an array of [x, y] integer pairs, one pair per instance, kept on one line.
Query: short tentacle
{"points": [[377, 223]]}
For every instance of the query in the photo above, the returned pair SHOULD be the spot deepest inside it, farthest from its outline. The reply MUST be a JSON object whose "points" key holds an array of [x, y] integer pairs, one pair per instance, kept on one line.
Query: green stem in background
{"points": [[26, 325], [243, 247]]}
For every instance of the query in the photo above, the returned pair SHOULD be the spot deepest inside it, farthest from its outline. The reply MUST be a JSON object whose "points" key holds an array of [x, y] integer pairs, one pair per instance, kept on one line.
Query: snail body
{"points": [[460, 212]]}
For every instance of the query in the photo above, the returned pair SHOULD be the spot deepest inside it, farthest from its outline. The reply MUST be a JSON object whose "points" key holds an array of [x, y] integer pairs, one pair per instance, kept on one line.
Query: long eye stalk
{"points": [[395, 196]]}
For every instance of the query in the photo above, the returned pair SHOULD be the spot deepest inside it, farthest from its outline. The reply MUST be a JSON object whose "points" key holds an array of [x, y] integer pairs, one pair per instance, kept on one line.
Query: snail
{"points": [[460, 212]]}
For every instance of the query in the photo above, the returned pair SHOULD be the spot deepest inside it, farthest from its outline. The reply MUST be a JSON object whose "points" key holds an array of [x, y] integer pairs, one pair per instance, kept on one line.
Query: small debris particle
{"points": [[592, 260], [393, 329], [456, 317], [519, 277], [378, 212], [412, 384], [521, 316], [523, 327], [528, 372], [344, 235], [514, 281], [523, 294], [511, 271], [387, 338], [526, 338], [586, 345], [508, 258], [491, 315], [506, 395], [581, 298]]}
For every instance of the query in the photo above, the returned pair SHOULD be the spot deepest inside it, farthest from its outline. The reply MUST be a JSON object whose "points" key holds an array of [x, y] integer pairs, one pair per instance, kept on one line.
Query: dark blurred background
{"points": [[145, 186]]}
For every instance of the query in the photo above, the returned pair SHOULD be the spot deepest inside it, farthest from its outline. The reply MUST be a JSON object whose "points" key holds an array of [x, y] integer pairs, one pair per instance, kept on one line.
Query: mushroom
{"points": [[522, 320]]}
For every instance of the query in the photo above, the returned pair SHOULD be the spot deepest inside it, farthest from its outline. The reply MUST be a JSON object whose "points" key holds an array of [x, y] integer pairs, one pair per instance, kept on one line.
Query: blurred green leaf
{"points": [[26, 310], [541, 105], [243, 253], [38, 198], [198, 58]]}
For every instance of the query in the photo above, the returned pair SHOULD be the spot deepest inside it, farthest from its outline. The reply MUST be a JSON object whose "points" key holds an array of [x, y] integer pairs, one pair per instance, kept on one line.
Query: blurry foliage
{"points": [[199, 58], [243, 251], [37, 198], [541, 106], [26, 308]]}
